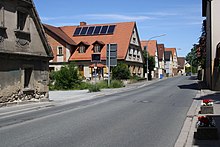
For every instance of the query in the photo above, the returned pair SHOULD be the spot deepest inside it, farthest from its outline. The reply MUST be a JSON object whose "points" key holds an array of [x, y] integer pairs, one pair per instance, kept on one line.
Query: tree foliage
{"points": [[67, 77], [151, 63], [121, 71]]}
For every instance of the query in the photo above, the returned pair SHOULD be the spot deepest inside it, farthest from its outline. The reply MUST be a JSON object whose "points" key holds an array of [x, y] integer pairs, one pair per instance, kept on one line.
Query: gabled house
{"points": [[175, 62], [61, 45], [93, 39], [168, 63], [151, 47], [161, 59], [210, 10], [24, 53], [181, 65]]}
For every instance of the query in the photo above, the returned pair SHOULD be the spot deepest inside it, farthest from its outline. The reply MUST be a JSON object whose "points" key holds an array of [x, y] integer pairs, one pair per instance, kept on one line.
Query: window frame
{"points": [[82, 49], [59, 50]]}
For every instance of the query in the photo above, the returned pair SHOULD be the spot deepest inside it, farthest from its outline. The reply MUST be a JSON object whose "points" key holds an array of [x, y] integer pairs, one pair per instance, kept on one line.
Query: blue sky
{"points": [[180, 20]]}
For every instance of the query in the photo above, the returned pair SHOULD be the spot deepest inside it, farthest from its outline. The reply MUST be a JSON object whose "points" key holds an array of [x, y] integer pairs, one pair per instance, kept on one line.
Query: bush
{"points": [[116, 84], [121, 72], [94, 88], [84, 85], [66, 78]]}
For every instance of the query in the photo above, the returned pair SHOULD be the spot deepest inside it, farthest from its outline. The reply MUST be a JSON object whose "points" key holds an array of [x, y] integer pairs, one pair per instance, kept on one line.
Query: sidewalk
{"points": [[186, 137]]}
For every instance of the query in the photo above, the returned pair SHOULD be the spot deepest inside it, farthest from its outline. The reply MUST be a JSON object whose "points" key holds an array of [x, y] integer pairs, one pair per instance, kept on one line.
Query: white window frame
{"points": [[97, 48], [59, 50], [82, 49]]}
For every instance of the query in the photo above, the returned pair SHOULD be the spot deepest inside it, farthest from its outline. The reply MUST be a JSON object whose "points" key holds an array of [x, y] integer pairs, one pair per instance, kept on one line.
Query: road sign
{"points": [[111, 55]]}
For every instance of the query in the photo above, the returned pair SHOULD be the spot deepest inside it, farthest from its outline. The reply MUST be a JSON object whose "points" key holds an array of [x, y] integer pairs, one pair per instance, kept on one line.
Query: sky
{"points": [[180, 20]]}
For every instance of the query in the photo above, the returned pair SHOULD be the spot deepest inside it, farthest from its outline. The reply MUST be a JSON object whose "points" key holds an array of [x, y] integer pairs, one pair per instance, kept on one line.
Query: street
{"points": [[150, 116]]}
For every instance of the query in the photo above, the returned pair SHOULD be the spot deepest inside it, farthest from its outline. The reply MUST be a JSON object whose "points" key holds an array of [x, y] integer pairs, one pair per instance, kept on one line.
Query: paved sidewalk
{"points": [[186, 137]]}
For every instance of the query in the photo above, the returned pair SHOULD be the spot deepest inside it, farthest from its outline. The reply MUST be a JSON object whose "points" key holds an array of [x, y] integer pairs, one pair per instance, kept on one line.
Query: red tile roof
{"points": [[161, 50], [173, 50], [151, 46], [59, 33], [181, 62], [122, 36]]}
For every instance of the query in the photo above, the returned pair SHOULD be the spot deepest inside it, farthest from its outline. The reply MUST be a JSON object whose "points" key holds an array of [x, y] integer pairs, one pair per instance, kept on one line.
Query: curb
{"points": [[185, 138]]}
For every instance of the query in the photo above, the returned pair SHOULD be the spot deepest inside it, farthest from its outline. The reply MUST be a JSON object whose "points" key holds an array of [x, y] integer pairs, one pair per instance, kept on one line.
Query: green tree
{"points": [[67, 77], [121, 71], [151, 63]]}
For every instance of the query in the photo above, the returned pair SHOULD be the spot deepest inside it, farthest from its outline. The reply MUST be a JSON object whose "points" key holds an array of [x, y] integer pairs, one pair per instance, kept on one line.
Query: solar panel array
{"points": [[94, 30]]}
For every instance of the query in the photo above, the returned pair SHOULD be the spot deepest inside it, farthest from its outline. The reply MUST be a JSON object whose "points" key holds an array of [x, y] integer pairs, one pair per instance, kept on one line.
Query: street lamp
{"points": [[147, 47]]}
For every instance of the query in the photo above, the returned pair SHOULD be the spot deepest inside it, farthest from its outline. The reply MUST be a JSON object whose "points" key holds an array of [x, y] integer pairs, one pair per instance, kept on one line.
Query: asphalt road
{"points": [[150, 116]]}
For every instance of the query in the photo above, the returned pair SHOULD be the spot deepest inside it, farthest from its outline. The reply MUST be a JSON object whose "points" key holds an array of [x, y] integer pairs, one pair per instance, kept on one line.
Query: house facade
{"points": [[181, 65], [94, 39], [168, 63], [24, 53], [210, 10], [61, 45], [151, 47], [161, 60], [175, 62]]}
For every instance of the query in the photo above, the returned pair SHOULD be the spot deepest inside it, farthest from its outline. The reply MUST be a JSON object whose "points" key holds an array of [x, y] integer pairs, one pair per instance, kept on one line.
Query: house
{"points": [[94, 39], [161, 59], [61, 45], [151, 47], [168, 63], [181, 65], [175, 62], [210, 10], [24, 53]]}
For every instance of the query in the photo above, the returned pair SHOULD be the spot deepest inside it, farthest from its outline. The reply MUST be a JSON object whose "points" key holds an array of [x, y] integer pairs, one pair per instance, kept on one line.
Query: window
{"points": [[97, 48], [59, 51], [82, 49], [27, 77], [1, 16], [134, 40], [21, 20]]}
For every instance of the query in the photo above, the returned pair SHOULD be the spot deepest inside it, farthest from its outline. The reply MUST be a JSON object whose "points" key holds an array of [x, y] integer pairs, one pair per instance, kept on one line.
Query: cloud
{"points": [[117, 17], [99, 17]]}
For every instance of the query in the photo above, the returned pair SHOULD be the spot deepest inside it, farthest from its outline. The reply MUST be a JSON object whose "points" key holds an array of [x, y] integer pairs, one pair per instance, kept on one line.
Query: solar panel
{"points": [[94, 30], [90, 30], [97, 30], [77, 31], [104, 29], [111, 29], [84, 30]]}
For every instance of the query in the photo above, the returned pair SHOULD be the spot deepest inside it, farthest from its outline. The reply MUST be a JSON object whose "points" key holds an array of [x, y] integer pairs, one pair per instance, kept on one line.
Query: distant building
{"points": [[181, 65], [24, 53], [168, 63], [175, 62], [151, 47], [161, 59], [93, 39]]}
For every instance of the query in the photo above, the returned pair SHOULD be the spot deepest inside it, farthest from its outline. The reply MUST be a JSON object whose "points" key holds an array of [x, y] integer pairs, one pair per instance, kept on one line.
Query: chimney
{"points": [[82, 23]]}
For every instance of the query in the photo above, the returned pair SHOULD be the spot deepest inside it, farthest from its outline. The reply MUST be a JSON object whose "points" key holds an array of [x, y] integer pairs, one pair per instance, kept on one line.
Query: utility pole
{"points": [[147, 50]]}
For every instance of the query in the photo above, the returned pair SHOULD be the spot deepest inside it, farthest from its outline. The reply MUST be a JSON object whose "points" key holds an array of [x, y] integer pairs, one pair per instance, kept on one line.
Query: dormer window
{"points": [[97, 48], [82, 49]]}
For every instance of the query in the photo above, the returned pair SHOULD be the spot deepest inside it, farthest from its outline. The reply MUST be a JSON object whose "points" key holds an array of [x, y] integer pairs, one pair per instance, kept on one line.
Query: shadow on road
{"points": [[193, 86]]}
